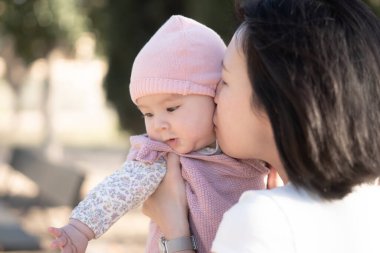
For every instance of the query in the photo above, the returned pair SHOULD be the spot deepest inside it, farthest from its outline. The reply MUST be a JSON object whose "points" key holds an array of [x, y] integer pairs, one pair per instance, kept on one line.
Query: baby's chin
{"points": [[177, 146], [184, 149]]}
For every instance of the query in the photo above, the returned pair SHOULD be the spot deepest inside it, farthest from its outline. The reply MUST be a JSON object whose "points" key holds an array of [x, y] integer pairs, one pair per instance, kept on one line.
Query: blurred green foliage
{"points": [[375, 5], [37, 26], [127, 25], [121, 27]]}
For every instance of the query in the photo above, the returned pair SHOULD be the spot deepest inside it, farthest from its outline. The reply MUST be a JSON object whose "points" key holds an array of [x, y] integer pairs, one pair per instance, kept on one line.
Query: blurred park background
{"points": [[65, 111]]}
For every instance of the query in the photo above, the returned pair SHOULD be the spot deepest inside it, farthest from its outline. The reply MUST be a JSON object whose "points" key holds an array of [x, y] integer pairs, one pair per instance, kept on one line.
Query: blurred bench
{"points": [[12, 236], [59, 184]]}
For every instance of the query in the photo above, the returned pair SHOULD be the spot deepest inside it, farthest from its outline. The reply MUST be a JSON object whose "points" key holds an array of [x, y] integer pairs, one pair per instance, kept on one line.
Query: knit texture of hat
{"points": [[183, 57]]}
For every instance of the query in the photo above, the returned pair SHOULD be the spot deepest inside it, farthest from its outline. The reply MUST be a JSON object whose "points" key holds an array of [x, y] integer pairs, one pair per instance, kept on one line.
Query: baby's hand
{"points": [[69, 239]]}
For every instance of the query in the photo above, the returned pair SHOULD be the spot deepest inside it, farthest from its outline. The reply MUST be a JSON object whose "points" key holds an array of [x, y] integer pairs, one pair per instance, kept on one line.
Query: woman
{"points": [[301, 91]]}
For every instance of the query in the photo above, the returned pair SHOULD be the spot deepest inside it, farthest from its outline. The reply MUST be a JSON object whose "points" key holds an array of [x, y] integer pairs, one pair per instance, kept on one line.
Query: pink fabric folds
{"points": [[213, 184]]}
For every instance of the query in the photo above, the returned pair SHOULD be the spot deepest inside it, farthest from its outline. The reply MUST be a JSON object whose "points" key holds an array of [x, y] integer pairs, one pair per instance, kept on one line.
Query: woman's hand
{"points": [[167, 206]]}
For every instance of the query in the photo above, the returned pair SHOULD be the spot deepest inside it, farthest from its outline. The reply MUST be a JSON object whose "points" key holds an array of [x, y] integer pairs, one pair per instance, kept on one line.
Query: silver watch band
{"points": [[178, 244]]}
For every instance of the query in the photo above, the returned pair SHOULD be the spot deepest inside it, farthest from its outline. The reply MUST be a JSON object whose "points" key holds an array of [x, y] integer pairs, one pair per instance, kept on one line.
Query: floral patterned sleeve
{"points": [[117, 194]]}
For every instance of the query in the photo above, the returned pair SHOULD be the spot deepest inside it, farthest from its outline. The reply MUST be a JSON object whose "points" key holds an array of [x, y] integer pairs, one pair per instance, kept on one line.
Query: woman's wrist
{"points": [[176, 229], [180, 244]]}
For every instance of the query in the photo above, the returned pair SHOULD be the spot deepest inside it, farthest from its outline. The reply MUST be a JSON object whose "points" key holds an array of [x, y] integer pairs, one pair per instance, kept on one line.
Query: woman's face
{"points": [[243, 131]]}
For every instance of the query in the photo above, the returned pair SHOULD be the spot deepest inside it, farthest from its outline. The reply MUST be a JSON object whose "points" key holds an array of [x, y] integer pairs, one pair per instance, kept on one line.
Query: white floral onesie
{"points": [[119, 193], [125, 189]]}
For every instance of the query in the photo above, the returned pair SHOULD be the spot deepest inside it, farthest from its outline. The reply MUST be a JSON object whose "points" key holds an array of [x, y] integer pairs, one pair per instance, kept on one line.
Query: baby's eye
{"points": [[172, 109]]}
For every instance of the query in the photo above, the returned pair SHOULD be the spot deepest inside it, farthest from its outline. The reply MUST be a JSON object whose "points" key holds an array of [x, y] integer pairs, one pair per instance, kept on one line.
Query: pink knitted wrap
{"points": [[213, 184]]}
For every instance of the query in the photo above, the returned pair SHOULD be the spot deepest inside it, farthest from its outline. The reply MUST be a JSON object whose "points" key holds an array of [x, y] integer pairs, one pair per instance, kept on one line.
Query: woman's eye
{"points": [[147, 115], [172, 109]]}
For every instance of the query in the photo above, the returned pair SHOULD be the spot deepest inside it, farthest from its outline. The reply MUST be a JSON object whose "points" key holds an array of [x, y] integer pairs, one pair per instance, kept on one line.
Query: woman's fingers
{"points": [[167, 206], [173, 165], [172, 178]]}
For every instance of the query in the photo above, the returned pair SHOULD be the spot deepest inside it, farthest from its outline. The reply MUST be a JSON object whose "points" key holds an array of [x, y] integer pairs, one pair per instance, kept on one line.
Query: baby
{"points": [[173, 82]]}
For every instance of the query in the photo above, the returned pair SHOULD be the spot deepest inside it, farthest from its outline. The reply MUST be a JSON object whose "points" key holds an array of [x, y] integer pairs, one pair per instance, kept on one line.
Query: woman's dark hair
{"points": [[314, 66]]}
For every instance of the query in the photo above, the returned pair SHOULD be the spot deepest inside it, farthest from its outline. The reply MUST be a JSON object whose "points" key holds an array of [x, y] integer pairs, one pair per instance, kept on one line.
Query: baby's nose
{"points": [[161, 124]]}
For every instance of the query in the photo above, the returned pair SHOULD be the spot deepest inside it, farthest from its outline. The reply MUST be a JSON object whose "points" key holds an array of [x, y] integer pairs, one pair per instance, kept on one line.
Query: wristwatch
{"points": [[177, 244]]}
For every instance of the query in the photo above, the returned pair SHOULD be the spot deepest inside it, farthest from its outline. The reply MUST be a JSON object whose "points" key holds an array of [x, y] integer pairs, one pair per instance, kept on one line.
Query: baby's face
{"points": [[182, 122]]}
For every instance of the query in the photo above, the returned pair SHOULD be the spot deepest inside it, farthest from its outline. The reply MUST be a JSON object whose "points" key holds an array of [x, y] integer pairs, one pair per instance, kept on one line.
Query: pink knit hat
{"points": [[183, 57]]}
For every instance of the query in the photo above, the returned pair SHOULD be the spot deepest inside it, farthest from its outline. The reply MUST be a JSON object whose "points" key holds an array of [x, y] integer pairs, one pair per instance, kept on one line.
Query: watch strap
{"points": [[179, 244]]}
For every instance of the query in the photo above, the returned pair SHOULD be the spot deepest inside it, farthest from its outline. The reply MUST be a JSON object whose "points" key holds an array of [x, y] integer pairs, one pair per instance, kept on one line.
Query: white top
{"points": [[289, 220]]}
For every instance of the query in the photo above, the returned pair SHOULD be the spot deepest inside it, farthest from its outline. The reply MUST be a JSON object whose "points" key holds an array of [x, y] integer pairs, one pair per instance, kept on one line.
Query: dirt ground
{"points": [[128, 235]]}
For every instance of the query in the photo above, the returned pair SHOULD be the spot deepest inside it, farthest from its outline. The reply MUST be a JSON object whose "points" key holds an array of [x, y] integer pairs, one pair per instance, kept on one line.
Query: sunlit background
{"points": [[65, 112]]}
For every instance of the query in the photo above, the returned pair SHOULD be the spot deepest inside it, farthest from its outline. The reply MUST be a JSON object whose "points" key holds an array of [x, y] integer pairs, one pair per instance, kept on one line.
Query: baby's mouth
{"points": [[171, 142]]}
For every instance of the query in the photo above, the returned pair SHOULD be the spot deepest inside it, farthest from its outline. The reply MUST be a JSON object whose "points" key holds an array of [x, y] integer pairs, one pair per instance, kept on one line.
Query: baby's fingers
{"points": [[56, 232], [60, 239], [58, 243]]}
